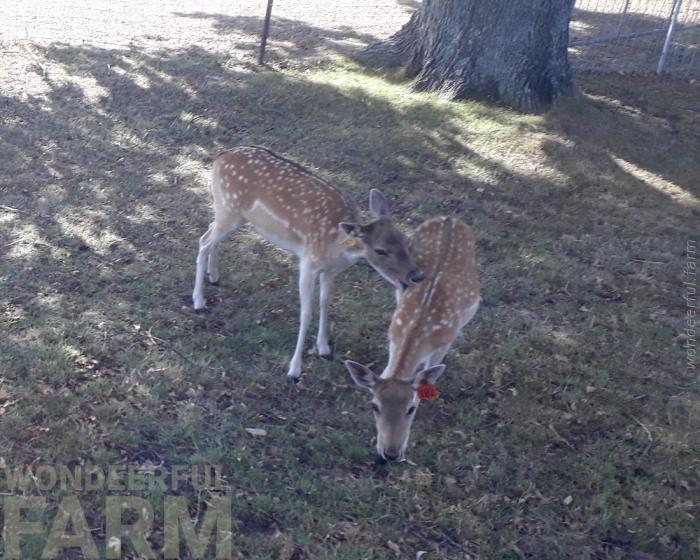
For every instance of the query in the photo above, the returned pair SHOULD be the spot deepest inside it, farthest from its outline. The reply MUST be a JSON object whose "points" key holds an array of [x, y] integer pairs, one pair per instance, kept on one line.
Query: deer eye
{"points": [[411, 411], [381, 252], [375, 408]]}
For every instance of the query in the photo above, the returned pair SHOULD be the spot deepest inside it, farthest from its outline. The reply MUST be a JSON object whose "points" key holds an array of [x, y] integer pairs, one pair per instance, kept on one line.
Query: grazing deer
{"points": [[301, 213], [426, 322]]}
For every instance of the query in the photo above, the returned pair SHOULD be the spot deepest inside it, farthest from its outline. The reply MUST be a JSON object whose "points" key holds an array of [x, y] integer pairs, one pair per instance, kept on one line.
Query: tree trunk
{"points": [[510, 51]]}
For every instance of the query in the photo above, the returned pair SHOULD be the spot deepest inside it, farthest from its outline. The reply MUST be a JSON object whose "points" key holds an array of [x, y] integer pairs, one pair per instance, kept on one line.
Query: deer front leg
{"points": [[307, 280], [208, 257], [326, 285], [202, 257], [392, 349], [213, 264], [438, 356]]}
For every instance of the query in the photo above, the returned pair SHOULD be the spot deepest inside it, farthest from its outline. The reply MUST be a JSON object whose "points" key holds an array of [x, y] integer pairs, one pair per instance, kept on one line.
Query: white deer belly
{"points": [[275, 229]]}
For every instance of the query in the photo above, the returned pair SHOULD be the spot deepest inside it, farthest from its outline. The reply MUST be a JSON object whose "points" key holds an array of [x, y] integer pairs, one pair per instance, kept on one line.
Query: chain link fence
{"points": [[606, 35], [640, 36]]}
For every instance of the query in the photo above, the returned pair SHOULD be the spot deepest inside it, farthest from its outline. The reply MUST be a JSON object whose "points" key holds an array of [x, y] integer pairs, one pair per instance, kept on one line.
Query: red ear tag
{"points": [[427, 392]]}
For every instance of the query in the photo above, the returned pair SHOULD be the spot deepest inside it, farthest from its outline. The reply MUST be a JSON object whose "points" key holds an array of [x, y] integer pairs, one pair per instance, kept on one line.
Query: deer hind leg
{"points": [[231, 224], [326, 285], [307, 282], [207, 259]]}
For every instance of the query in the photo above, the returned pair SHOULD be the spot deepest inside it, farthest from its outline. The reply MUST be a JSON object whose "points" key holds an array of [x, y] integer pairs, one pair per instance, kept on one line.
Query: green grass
{"points": [[570, 381]]}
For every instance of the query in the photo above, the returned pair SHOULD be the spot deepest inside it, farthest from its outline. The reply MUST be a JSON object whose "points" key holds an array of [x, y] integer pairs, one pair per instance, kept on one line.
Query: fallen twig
{"points": [[15, 242], [156, 340], [35, 58], [648, 262], [559, 437], [648, 432]]}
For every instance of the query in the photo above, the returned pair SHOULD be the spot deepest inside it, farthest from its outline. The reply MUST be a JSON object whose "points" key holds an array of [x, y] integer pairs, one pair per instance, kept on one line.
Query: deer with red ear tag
{"points": [[427, 320], [302, 213]]}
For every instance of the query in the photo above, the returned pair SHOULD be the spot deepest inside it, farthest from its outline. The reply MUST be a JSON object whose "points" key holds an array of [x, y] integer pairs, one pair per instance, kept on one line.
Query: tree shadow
{"points": [[108, 193], [626, 121], [289, 39], [135, 159]]}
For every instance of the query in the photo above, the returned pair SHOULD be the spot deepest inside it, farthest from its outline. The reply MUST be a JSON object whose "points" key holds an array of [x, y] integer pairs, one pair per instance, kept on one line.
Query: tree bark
{"points": [[510, 51]]}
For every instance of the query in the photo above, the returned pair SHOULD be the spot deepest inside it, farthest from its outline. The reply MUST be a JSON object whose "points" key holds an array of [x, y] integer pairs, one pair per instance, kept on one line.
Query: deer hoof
{"points": [[292, 380], [328, 357]]}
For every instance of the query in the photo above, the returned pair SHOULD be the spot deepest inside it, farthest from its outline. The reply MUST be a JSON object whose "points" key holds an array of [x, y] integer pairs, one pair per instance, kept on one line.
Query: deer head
{"points": [[394, 405], [385, 247]]}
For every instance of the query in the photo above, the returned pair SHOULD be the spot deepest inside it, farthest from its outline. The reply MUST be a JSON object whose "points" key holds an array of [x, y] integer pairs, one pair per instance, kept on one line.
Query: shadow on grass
{"points": [[107, 174]]}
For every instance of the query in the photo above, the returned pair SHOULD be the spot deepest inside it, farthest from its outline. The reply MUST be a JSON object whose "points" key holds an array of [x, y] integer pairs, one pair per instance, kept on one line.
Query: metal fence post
{"points": [[669, 35], [622, 20], [265, 31]]}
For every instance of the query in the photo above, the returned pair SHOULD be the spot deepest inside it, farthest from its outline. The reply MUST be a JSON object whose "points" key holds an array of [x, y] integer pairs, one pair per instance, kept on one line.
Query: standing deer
{"points": [[427, 320], [303, 214]]}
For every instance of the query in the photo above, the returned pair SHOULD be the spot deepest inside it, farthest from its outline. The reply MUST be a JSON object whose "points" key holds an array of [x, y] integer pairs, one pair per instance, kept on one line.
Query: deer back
{"points": [[281, 197]]}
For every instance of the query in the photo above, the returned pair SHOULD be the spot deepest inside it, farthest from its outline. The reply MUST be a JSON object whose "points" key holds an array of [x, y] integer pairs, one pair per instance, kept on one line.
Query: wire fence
{"points": [[606, 35], [642, 36]]}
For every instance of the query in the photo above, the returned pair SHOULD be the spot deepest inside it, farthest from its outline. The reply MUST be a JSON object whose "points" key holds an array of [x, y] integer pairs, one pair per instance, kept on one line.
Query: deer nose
{"points": [[416, 277], [389, 456]]}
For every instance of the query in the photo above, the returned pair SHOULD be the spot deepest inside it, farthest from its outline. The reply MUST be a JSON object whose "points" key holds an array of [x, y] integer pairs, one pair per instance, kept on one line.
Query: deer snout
{"points": [[391, 456], [415, 277]]}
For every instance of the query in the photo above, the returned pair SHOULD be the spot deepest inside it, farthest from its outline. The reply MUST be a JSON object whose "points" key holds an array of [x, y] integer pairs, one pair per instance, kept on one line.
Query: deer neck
{"points": [[403, 363], [407, 335], [411, 327]]}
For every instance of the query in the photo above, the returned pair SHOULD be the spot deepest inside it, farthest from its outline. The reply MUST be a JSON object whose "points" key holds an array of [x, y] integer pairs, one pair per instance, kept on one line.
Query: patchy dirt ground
{"points": [[307, 32], [299, 28], [569, 419]]}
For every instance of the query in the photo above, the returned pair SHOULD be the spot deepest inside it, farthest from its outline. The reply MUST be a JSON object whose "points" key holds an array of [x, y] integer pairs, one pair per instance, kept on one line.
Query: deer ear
{"points": [[362, 375], [429, 376], [378, 204]]}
